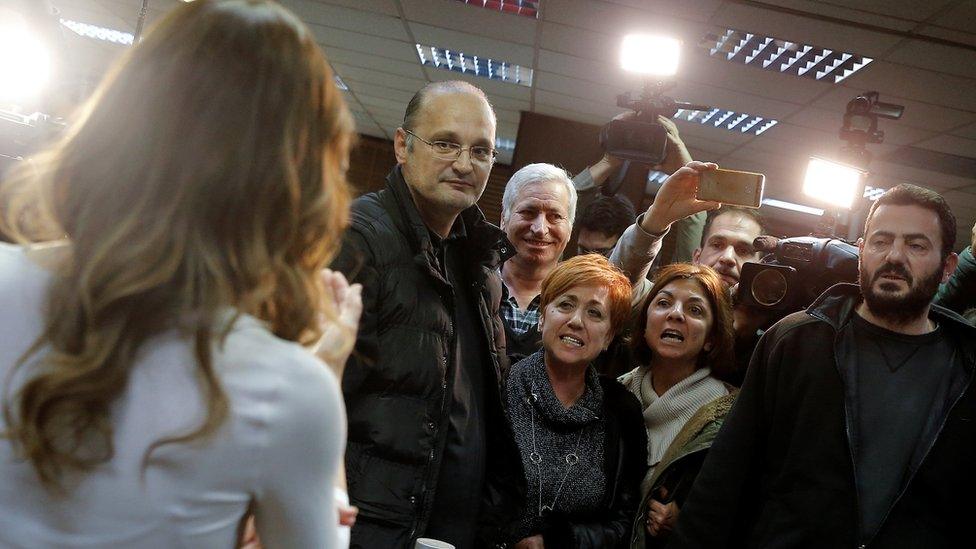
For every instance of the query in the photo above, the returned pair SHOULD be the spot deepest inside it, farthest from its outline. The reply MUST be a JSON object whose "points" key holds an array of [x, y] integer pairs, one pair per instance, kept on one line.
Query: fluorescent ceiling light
{"points": [[503, 144], [873, 193], [527, 8], [782, 204], [25, 64], [729, 120], [646, 54], [832, 182], [474, 65], [99, 33], [779, 55]]}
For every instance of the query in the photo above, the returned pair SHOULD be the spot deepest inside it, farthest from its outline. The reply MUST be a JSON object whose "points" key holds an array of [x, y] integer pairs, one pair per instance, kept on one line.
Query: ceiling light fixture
{"points": [[474, 65], [785, 56]]}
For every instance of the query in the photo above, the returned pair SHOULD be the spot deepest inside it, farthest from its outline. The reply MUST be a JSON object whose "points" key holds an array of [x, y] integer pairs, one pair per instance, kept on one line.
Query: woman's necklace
{"points": [[572, 458]]}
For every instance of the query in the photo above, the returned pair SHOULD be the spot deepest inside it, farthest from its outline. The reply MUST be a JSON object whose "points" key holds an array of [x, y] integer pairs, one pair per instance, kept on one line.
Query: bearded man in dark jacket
{"points": [[422, 389], [856, 424]]}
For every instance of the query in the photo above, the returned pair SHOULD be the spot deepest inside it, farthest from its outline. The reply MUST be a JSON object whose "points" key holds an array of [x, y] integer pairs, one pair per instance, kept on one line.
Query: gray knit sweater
{"points": [[534, 409]]}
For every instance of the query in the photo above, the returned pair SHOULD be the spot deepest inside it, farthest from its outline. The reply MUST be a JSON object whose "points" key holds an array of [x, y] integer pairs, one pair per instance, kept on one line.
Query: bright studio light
{"points": [[832, 182], [654, 55], [25, 64]]}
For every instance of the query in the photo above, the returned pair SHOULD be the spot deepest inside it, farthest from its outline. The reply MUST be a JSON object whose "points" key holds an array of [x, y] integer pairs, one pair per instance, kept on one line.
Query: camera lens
{"points": [[769, 287]]}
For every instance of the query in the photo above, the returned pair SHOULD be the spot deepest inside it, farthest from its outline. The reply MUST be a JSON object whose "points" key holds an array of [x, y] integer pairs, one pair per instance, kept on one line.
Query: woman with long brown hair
{"points": [[156, 384]]}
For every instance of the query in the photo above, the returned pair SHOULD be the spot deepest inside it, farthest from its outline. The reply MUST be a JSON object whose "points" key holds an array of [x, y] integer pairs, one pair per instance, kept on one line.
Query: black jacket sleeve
{"points": [[355, 261], [722, 501], [611, 528]]}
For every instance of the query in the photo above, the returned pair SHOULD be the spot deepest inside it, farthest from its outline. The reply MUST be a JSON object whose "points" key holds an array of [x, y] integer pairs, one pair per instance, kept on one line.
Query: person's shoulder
{"points": [[619, 397], [280, 373]]}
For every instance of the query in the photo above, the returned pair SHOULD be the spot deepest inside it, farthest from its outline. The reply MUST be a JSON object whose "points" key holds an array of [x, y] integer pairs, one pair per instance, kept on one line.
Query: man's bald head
{"points": [[415, 108]]}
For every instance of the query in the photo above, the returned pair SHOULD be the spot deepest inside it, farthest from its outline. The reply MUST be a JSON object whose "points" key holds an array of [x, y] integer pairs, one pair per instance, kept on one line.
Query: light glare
{"points": [[25, 65], [645, 54], [831, 182]]}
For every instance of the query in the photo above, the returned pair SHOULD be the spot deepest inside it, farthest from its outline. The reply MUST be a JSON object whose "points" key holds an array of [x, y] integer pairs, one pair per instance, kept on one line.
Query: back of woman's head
{"points": [[720, 357], [206, 173]]}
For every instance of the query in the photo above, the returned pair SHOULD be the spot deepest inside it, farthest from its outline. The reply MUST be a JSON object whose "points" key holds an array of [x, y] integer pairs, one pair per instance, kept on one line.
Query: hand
{"points": [[677, 198], [534, 542], [677, 153], [661, 517], [344, 304], [249, 539], [347, 514]]}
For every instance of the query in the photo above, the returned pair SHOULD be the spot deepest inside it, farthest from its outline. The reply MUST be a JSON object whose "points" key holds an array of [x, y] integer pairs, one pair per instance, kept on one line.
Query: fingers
{"points": [[347, 515]]}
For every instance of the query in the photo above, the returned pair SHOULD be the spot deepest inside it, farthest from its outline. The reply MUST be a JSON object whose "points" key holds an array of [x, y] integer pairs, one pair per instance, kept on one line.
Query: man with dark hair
{"points": [[602, 222], [726, 241], [422, 389], [854, 427]]}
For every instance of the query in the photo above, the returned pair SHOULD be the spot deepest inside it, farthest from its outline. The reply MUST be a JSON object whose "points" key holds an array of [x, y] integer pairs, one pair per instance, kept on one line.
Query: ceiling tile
{"points": [[374, 62], [804, 29], [914, 83], [472, 19], [951, 144], [967, 131], [935, 57], [367, 77], [354, 41], [960, 17], [365, 22]]}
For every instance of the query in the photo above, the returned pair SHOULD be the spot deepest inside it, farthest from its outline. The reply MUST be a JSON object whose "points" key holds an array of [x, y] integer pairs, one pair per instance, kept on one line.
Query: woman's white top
{"points": [[277, 453]]}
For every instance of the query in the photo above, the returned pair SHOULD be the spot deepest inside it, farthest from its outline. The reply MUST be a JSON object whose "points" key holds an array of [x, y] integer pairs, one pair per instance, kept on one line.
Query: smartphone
{"points": [[732, 187]]}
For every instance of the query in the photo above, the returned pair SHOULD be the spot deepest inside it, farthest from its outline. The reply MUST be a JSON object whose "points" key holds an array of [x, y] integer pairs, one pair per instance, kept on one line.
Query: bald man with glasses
{"points": [[422, 388]]}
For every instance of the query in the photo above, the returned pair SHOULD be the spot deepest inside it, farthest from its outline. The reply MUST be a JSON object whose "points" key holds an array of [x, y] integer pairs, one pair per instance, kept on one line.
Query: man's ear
{"points": [[951, 262], [400, 145], [695, 255]]}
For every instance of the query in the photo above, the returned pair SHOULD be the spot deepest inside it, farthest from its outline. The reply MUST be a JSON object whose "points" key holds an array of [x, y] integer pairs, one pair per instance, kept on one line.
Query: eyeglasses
{"points": [[452, 151]]}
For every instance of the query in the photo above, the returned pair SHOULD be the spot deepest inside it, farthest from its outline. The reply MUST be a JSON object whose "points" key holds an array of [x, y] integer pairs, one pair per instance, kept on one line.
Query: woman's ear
{"points": [[707, 347]]}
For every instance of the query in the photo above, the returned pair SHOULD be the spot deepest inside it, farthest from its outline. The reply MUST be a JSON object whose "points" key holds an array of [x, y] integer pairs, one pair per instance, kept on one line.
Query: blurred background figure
{"points": [[602, 222], [157, 385]]}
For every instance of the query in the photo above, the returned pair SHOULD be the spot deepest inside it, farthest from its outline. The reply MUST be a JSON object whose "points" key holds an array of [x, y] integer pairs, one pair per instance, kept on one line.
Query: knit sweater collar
{"points": [[532, 378]]}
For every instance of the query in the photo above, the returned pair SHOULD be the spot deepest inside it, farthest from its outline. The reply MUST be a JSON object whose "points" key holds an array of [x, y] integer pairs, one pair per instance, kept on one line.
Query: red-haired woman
{"points": [[580, 435], [683, 337]]}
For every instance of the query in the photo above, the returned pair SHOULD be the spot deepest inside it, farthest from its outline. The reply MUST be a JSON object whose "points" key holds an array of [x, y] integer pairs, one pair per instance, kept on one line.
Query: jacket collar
{"points": [[486, 242], [837, 304]]}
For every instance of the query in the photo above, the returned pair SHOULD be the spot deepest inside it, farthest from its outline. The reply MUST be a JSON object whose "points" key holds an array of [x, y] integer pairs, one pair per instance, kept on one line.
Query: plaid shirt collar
{"points": [[519, 320]]}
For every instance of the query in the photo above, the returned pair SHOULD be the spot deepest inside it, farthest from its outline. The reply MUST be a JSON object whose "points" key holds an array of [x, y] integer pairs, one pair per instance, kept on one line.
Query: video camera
{"points": [[642, 139], [794, 272]]}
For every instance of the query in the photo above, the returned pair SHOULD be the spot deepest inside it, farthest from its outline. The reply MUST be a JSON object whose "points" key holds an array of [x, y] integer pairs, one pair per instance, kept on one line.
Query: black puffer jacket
{"points": [[394, 384]]}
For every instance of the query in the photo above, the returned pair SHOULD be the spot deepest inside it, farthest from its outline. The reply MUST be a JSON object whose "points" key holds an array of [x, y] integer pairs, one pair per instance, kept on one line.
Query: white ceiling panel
{"points": [[613, 20], [960, 17], [691, 10], [914, 83], [894, 14], [386, 7], [569, 103], [966, 131], [353, 41], [450, 14], [355, 19], [919, 176], [950, 144], [358, 75], [606, 72], [580, 43], [691, 131], [374, 62], [935, 57], [732, 100], [806, 30], [950, 34], [594, 119], [577, 88]]}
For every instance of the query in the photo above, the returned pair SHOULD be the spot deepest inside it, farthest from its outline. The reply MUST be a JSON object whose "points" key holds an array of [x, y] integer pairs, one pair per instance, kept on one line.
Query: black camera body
{"points": [[794, 272], [642, 139]]}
